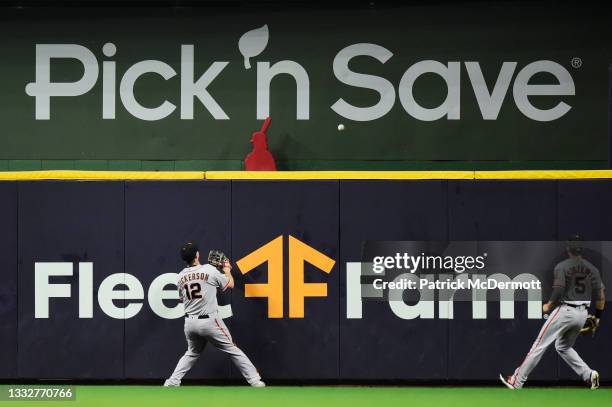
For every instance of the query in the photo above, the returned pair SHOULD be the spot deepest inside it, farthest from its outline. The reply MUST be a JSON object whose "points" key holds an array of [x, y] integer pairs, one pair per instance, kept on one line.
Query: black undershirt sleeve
{"points": [[556, 295], [558, 286]]}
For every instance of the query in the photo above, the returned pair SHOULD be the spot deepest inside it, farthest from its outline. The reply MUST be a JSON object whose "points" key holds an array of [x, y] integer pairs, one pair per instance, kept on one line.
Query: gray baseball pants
{"points": [[200, 331], [562, 327]]}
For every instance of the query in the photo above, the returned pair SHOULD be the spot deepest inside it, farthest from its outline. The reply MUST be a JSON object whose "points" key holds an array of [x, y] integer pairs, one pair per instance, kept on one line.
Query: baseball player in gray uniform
{"points": [[576, 282], [198, 285]]}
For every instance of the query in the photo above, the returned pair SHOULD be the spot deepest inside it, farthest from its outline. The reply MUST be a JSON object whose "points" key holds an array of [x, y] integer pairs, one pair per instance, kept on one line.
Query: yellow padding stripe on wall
{"points": [[100, 175], [408, 175], [544, 174], [313, 175], [302, 175]]}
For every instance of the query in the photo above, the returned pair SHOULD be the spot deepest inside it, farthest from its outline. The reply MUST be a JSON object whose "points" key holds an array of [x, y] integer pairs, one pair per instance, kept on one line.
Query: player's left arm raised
{"points": [[227, 271]]}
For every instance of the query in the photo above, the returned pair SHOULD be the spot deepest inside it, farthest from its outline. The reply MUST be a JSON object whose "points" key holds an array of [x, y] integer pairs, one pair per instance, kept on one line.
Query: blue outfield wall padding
{"points": [[381, 345], [8, 276], [498, 210], [136, 228], [610, 116], [502, 210], [287, 348], [69, 222], [585, 207], [160, 218]]}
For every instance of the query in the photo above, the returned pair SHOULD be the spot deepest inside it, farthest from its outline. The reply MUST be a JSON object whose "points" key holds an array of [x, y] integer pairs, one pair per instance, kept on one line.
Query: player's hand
{"points": [[590, 325], [546, 308], [227, 267]]}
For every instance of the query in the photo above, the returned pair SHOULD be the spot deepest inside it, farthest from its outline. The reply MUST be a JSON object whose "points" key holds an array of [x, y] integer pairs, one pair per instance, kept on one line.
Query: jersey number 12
{"points": [[193, 291]]}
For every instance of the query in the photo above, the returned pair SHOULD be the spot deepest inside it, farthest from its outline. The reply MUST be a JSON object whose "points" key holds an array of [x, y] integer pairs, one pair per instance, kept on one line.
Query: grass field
{"points": [[317, 396]]}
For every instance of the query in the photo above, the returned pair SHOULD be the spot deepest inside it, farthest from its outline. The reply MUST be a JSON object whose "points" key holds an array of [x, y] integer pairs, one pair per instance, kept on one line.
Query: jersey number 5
{"points": [[193, 291], [580, 287]]}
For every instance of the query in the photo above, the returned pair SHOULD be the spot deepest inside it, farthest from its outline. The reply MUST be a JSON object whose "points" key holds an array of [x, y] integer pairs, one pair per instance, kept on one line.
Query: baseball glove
{"points": [[217, 258], [590, 326]]}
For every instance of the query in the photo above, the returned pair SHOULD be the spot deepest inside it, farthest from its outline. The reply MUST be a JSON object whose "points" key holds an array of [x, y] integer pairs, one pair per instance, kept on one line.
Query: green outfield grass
{"points": [[317, 396]]}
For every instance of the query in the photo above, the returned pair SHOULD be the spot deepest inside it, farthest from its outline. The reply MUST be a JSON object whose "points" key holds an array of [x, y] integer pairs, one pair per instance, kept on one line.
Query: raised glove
{"points": [[217, 258]]}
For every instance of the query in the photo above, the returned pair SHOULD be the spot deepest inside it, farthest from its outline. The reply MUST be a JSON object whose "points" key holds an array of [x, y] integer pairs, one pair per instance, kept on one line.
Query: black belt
{"points": [[575, 305], [198, 316]]}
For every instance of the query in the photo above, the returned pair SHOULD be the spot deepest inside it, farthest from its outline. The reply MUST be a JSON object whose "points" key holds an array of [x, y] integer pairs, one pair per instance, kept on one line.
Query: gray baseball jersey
{"points": [[580, 280], [198, 287]]}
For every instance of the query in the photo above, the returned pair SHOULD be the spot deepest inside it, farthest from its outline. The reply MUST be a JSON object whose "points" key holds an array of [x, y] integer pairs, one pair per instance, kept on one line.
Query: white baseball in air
{"points": [[340, 127]]}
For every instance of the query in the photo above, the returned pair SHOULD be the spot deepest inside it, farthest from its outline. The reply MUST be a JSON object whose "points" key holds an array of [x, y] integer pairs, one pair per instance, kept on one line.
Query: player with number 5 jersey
{"points": [[576, 283]]}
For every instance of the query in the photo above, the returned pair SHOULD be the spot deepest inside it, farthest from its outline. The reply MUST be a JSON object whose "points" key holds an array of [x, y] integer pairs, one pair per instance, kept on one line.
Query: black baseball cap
{"points": [[188, 252], [574, 244]]}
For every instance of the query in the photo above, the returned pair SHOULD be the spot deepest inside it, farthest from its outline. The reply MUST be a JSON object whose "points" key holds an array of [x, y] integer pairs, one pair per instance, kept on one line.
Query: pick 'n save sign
{"points": [[196, 88]]}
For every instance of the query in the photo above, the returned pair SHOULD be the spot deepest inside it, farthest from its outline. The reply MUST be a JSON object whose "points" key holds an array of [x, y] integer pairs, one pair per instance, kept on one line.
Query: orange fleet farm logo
{"points": [[272, 253]]}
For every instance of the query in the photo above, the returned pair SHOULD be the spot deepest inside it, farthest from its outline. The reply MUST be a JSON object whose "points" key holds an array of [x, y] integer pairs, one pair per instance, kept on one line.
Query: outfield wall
{"points": [[136, 227]]}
